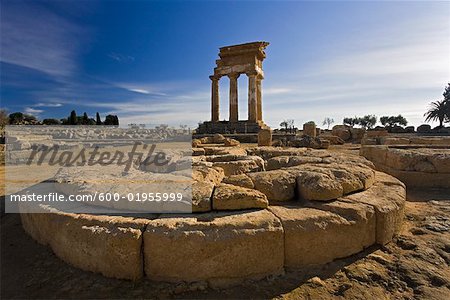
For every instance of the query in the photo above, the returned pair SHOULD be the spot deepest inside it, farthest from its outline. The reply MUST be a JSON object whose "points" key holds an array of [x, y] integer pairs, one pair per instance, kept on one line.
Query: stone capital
{"points": [[214, 77], [252, 73], [233, 75]]}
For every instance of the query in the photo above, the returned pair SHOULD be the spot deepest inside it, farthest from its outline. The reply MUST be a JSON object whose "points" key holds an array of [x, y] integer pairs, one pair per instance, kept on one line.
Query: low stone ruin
{"points": [[257, 211], [414, 165]]}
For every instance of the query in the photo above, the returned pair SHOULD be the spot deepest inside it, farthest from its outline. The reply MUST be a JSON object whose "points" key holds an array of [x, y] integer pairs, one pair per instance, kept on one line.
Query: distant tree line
{"points": [[73, 119], [18, 118], [366, 122], [369, 121]]}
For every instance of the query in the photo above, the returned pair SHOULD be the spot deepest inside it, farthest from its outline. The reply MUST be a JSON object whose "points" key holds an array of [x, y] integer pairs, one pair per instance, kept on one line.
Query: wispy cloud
{"points": [[33, 111], [140, 91], [48, 104], [121, 57], [36, 38]]}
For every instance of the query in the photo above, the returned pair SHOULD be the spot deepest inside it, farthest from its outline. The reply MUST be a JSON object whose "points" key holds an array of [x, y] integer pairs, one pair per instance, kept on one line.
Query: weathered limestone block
{"points": [[377, 154], [203, 173], [102, 244], [318, 186], [333, 139], [357, 134], [424, 166], [269, 152], [196, 143], [265, 137], [419, 179], [388, 199], [250, 164], [201, 196], [231, 142], [441, 161], [325, 182], [277, 185], [309, 129], [279, 162], [225, 151], [222, 248], [231, 197], [218, 138], [394, 141], [320, 235], [198, 151], [239, 180], [342, 131], [352, 176], [403, 159], [376, 133]]}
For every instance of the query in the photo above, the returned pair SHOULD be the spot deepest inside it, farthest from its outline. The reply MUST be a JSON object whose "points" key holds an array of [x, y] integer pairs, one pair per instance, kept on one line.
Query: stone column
{"points": [[252, 98], [259, 98], [233, 97], [214, 98]]}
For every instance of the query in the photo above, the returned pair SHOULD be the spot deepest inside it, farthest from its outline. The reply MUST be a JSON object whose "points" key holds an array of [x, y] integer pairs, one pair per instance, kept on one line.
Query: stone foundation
{"points": [[226, 247], [226, 127], [416, 166]]}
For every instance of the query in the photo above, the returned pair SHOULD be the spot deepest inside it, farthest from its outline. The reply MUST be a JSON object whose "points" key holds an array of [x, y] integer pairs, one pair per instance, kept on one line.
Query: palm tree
{"points": [[437, 111]]}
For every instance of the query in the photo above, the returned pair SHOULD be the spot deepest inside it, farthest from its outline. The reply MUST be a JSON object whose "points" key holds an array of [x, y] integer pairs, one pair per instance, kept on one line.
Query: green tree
{"points": [[85, 120], [438, 112], [98, 121], [391, 121], [111, 120], [446, 95], [15, 118], [51, 122], [367, 121], [73, 118], [350, 121]]}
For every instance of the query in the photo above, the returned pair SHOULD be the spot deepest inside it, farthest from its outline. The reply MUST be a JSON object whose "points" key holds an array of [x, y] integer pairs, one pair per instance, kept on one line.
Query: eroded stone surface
{"points": [[231, 197], [103, 244], [325, 232], [218, 247], [417, 167], [277, 185]]}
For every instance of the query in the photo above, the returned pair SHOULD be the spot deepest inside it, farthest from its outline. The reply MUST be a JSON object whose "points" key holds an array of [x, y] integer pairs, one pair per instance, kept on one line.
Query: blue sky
{"points": [[149, 61]]}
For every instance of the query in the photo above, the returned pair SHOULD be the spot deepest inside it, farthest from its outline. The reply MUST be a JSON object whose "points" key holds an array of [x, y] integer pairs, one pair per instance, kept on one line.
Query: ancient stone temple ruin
{"points": [[236, 60]]}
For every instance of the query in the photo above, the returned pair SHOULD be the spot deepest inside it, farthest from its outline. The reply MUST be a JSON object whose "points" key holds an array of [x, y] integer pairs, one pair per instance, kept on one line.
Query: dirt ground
{"points": [[414, 266]]}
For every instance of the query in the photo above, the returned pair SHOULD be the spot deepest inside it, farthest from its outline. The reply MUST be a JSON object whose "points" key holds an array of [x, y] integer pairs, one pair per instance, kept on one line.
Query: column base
{"points": [[229, 127]]}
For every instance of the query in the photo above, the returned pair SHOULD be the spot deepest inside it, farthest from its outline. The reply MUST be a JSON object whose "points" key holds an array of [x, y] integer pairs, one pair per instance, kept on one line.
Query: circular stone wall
{"points": [[275, 209], [416, 166]]}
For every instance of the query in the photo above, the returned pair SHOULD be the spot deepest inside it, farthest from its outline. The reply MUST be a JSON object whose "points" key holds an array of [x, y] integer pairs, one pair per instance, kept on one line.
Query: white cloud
{"points": [[33, 111], [48, 104], [140, 91]]}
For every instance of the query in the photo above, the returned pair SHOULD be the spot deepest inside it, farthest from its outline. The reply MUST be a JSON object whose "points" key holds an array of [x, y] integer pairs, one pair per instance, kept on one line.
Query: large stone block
{"points": [[277, 185], [222, 248], [309, 129], [231, 197], [388, 199], [328, 231], [265, 137], [102, 244]]}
